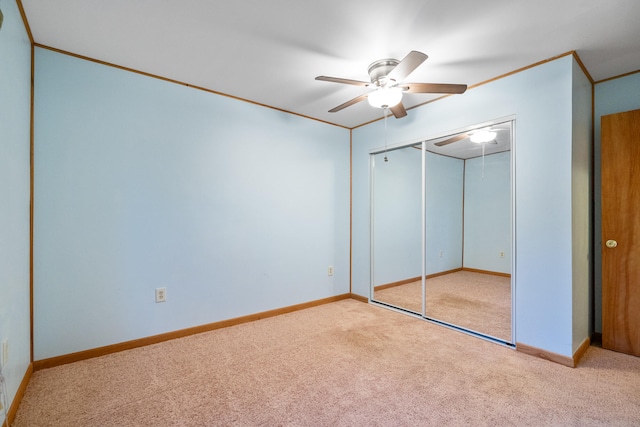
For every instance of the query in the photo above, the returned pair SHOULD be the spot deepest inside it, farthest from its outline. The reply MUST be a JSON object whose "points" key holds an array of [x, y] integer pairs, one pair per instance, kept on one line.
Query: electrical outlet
{"points": [[161, 294], [441, 253], [501, 254], [330, 270]]}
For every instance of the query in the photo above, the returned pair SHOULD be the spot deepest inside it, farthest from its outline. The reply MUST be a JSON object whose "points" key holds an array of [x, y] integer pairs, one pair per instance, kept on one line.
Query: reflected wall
{"points": [[396, 220]]}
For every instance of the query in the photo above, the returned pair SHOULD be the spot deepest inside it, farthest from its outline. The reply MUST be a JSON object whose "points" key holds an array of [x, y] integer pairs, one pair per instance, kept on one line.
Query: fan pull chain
{"points": [[483, 160], [386, 113]]}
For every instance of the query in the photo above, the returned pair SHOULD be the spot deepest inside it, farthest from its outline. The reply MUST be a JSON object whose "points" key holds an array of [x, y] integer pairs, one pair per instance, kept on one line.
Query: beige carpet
{"points": [[475, 301], [341, 364]]}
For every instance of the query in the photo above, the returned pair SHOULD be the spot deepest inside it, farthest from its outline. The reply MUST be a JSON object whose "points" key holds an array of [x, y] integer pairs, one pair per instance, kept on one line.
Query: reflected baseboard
{"points": [[415, 279], [494, 273], [398, 283]]}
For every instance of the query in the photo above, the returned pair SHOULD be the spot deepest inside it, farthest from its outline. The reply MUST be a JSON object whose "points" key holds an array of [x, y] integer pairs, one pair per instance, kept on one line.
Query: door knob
{"points": [[611, 243]]}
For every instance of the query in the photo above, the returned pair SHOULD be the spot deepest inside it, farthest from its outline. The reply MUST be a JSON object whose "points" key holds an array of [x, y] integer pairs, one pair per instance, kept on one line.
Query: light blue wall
{"points": [[581, 201], [15, 101], [613, 96], [487, 213], [444, 213], [141, 183], [397, 213], [541, 99], [397, 229]]}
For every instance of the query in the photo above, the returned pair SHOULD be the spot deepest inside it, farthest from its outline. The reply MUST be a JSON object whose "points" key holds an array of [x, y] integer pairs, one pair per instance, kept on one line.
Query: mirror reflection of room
{"points": [[397, 228], [468, 231]]}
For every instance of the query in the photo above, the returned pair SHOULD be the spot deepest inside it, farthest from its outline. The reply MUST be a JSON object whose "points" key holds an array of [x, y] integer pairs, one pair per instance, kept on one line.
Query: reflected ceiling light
{"points": [[385, 97], [482, 136]]}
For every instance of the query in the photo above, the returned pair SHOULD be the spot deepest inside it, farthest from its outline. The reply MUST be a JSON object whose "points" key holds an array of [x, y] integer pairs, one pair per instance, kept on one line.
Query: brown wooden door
{"points": [[621, 232]]}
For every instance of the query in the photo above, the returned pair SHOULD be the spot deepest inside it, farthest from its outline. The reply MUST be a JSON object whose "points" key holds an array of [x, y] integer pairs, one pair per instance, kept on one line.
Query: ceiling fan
{"points": [[387, 77], [482, 135]]}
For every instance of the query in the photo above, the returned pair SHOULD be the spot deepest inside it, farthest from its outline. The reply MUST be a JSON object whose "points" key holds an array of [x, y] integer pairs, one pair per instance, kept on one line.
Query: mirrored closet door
{"points": [[396, 200], [459, 186]]}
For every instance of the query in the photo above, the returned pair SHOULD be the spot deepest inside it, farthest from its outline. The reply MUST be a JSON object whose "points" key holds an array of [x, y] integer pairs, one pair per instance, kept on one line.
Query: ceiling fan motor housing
{"points": [[379, 70]]}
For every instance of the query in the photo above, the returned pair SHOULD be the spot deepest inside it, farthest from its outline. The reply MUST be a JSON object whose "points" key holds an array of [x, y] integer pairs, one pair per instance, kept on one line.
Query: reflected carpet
{"points": [[476, 301]]}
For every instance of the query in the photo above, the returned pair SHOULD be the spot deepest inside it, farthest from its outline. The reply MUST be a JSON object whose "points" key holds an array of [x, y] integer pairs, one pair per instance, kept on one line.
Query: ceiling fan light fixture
{"points": [[482, 136], [385, 97]]}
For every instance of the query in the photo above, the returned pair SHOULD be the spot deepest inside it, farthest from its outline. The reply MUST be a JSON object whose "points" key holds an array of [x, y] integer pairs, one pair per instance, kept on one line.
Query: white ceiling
{"points": [[270, 51]]}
